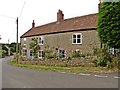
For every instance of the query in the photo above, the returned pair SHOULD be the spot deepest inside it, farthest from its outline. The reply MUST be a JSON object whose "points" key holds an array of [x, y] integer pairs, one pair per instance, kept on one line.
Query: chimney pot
{"points": [[99, 5], [33, 24]]}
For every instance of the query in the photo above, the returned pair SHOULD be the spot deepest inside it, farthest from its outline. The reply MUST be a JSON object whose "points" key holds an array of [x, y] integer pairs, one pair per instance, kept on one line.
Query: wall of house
{"points": [[90, 40]]}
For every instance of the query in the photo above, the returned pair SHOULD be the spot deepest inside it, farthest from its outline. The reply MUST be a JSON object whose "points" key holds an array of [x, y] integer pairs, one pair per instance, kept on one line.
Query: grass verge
{"points": [[66, 69]]}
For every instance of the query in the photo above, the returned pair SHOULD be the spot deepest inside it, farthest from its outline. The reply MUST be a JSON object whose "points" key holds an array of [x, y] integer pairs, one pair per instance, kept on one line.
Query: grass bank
{"points": [[83, 69]]}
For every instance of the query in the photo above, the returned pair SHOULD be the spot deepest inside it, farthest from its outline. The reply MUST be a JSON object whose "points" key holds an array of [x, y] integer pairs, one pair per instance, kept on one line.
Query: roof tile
{"points": [[76, 23]]}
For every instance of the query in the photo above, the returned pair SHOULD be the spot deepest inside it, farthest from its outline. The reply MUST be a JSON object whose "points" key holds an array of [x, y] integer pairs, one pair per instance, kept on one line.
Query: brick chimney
{"points": [[33, 24], [60, 16]]}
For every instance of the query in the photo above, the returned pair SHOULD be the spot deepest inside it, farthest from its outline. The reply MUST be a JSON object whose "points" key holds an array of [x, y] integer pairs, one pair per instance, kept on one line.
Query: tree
{"points": [[34, 46], [13, 47], [109, 24]]}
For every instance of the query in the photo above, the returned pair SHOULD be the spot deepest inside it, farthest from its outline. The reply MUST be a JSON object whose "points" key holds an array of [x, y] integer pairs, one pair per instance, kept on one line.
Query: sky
{"points": [[42, 11]]}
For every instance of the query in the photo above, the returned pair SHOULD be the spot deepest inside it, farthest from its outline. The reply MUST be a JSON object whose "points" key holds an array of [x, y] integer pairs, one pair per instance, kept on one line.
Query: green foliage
{"points": [[50, 53], [34, 46], [109, 24], [2, 53], [15, 56], [76, 54], [13, 47], [103, 57], [101, 61], [69, 57], [116, 62]]}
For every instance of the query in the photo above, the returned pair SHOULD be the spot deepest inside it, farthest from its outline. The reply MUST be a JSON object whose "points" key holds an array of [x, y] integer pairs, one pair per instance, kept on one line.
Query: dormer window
{"points": [[41, 40]]}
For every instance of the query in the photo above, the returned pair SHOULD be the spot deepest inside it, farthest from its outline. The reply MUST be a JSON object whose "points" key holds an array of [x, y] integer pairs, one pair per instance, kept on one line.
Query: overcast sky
{"points": [[42, 11]]}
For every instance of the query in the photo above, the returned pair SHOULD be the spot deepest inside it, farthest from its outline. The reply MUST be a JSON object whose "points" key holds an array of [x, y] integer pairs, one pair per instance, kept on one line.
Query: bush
{"points": [[69, 58], [3, 53], [100, 62], [104, 58], [76, 54], [109, 64]]}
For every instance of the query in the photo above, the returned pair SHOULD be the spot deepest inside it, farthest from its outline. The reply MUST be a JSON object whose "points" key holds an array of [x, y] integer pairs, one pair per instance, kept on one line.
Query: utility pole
{"points": [[17, 40]]}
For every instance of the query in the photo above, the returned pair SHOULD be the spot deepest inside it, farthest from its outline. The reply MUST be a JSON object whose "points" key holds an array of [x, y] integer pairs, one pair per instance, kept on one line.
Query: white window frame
{"points": [[40, 54], [77, 38], [24, 41], [64, 52], [40, 41], [23, 52]]}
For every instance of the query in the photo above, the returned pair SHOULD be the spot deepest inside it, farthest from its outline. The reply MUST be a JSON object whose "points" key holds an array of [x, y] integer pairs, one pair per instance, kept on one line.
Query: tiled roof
{"points": [[76, 23]]}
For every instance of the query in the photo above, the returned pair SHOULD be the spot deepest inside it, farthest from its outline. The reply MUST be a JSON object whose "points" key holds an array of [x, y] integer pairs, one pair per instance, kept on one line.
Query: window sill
{"points": [[76, 43]]}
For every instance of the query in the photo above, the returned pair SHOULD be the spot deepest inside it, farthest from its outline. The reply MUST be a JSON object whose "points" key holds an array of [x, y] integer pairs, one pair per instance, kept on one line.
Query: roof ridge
{"points": [[66, 19], [74, 23]]}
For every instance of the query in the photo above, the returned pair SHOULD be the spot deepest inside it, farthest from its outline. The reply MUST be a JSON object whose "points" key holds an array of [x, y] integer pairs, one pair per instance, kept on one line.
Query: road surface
{"points": [[16, 77]]}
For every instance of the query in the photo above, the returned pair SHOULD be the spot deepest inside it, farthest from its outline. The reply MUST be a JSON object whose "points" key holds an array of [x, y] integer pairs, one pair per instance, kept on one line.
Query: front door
{"points": [[30, 54]]}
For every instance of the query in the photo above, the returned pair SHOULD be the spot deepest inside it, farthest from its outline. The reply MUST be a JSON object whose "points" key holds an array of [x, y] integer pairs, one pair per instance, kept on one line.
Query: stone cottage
{"points": [[64, 35]]}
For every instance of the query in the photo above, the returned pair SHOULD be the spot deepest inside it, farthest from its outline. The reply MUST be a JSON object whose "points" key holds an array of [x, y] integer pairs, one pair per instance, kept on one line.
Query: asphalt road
{"points": [[15, 77]]}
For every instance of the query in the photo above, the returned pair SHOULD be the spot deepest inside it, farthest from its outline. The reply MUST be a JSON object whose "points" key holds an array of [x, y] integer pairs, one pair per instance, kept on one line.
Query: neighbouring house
{"points": [[64, 35]]}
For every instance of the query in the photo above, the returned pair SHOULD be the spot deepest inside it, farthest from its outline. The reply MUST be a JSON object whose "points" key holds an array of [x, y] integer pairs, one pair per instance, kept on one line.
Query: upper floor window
{"points": [[24, 41], [41, 40], [77, 38]]}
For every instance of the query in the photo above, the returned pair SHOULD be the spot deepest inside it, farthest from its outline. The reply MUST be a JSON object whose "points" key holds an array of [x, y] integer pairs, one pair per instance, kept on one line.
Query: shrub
{"points": [[104, 58], [76, 54], [109, 64]]}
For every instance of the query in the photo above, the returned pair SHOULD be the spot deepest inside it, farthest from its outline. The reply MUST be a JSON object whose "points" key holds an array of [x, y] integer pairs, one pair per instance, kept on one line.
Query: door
{"points": [[30, 54]]}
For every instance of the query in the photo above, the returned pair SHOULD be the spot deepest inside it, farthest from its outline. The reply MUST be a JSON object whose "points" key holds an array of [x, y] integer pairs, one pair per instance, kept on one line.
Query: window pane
{"points": [[61, 53], [78, 40], [74, 40], [79, 36], [74, 36], [41, 53], [41, 40]]}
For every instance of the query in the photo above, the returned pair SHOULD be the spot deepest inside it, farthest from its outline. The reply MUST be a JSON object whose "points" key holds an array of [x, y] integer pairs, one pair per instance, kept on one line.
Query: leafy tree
{"points": [[109, 24], [34, 45], [2, 53], [12, 47]]}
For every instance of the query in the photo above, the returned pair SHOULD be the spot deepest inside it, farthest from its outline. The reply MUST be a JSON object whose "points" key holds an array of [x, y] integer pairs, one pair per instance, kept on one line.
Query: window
{"points": [[24, 52], [40, 54], [77, 38], [41, 40], [61, 53], [24, 40]]}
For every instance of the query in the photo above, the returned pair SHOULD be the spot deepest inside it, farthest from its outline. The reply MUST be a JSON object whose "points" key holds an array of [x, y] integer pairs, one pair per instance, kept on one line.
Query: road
{"points": [[15, 77]]}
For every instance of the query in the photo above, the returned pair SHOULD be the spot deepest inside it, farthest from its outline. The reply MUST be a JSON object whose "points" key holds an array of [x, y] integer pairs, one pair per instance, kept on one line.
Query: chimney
{"points": [[60, 16], [33, 24], [99, 5]]}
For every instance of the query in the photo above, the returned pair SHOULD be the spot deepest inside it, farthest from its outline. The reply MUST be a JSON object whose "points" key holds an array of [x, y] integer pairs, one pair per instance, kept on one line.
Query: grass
{"points": [[66, 69]]}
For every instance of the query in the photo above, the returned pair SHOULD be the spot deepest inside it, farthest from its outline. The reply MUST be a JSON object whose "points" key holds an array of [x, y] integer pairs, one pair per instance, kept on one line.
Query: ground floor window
{"points": [[40, 54], [61, 53], [24, 52]]}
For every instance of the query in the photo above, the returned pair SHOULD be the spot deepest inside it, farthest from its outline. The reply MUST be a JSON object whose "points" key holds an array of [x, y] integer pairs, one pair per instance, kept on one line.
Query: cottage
{"points": [[64, 35]]}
